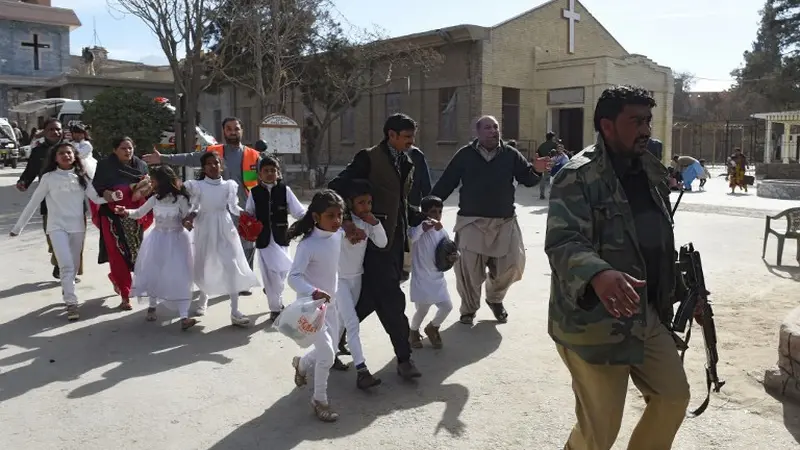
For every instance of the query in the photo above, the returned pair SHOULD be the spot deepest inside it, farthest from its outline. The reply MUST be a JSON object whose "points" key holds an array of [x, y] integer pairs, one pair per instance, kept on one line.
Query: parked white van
{"points": [[69, 113]]}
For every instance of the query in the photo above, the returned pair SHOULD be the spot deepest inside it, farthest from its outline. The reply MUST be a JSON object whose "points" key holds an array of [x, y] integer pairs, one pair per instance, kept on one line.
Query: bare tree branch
{"points": [[180, 27]]}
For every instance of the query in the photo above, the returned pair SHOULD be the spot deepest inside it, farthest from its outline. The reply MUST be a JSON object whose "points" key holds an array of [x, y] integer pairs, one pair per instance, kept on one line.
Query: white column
{"points": [[786, 147], [768, 143]]}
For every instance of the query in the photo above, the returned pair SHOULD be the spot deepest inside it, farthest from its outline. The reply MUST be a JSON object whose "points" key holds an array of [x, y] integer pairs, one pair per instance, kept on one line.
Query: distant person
{"points": [[543, 152], [704, 176], [689, 168], [656, 147], [737, 176]]}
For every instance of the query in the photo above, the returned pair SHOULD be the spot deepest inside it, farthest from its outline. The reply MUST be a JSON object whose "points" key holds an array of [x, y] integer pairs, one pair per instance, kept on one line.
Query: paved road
{"points": [[112, 380]]}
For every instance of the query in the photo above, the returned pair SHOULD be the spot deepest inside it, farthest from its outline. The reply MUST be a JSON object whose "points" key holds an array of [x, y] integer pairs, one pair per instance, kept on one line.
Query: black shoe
{"points": [[365, 380], [407, 370], [343, 350], [56, 273], [245, 293], [541, 197], [273, 316], [339, 365], [499, 312]]}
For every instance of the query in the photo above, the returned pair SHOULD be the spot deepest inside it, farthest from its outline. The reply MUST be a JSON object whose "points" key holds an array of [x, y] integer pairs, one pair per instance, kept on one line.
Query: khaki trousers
{"points": [[600, 392]]}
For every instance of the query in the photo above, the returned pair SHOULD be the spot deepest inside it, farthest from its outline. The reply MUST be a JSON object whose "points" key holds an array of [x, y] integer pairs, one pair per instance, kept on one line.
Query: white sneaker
{"points": [[239, 320]]}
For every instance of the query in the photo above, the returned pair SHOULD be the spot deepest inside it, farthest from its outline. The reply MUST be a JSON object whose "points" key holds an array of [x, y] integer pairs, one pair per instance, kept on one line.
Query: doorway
{"points": [[568, 126]]}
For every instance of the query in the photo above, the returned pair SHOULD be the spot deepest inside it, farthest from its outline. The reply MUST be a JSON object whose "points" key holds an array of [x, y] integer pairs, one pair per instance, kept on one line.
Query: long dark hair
{"points": [[81, 129], [322, 200], [168, 183], [77, 165], [204, 159]]}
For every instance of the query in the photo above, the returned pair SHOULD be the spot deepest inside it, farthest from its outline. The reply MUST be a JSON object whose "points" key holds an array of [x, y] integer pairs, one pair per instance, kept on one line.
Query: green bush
{"points": [[118, 112]]}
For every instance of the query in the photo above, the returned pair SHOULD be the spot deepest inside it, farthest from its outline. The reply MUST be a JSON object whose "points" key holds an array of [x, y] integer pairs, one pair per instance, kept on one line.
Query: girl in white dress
{"points": [[64, 187], [314, 274], [428, 286], [273, 243], [220, 266], [163, 270], [80, 140]]}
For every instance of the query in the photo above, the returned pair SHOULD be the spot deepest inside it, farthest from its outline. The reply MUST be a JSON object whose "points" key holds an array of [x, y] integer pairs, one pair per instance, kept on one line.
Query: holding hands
{"points": [[121, 211], [188, 221], [353, 233]]}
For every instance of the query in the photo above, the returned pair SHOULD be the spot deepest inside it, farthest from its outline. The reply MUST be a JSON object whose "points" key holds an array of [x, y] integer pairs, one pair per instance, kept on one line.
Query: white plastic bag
{"points": [[302, 320]]}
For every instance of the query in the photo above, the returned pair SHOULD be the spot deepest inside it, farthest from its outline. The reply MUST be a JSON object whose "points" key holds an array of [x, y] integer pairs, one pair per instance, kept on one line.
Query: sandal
{"points": [[125, 305], [188, 323], [151, 315], [499, 312], [467, 319], [324, 412], [299, 377]]}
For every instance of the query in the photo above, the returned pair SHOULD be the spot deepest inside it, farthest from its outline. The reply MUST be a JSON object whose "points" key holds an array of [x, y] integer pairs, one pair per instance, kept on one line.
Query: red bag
{"points": [[249, 227]]}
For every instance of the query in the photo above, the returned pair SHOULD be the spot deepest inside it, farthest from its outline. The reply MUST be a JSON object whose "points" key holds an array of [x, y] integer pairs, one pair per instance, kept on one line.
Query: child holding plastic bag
{"points": [[314, 274]]}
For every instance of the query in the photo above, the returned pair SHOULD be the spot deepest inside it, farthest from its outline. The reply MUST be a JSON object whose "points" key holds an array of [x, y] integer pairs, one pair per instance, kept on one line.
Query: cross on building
{"points": [[572, 16], [36, 45]]}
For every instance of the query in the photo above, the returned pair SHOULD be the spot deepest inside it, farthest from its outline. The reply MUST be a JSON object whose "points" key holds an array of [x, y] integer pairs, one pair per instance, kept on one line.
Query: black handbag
{"points": [[444, 251]]}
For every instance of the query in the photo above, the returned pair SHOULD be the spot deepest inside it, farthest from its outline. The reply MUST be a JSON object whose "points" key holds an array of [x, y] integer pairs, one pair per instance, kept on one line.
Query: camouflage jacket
{"points": [[590, 228]]}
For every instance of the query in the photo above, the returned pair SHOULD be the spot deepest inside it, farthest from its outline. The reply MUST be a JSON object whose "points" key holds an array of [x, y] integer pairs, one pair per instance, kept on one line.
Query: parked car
{"points": [[9, 147]]}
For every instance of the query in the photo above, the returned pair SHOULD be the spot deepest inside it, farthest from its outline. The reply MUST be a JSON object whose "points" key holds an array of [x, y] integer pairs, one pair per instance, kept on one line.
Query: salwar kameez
{"points": [[120, 238]]}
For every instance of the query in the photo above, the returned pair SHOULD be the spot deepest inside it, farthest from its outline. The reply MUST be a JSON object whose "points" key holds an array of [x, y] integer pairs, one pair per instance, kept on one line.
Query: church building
{"points": [[34, 46], [542, 70]]}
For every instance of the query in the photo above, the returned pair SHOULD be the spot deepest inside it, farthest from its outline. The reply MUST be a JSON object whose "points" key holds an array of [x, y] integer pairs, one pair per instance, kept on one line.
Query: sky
{"points": [[703, 37]]}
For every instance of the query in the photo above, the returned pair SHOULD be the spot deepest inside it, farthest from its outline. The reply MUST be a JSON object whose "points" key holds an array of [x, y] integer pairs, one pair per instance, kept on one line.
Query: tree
{"points": [[768, 76], [259, 44], [787, 18], [342, 70], [682, 108], [142, 119], [180, 27]]}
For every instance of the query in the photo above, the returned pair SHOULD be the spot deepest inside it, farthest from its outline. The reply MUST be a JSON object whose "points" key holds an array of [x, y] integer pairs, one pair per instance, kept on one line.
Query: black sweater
{"points": [[487, 187]]}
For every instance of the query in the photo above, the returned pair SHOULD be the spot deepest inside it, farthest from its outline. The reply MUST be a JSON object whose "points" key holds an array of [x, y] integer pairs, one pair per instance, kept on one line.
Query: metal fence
{"points": [[715, 141]]}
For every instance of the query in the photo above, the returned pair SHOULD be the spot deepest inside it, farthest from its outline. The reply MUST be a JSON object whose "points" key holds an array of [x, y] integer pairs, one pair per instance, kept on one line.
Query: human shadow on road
{"points": [[289, 422], [28, 288], [134, 347]]}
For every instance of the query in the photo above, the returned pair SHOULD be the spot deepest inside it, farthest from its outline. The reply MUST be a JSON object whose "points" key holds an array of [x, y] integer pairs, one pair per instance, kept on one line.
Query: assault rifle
{"points": [[691, 291]]}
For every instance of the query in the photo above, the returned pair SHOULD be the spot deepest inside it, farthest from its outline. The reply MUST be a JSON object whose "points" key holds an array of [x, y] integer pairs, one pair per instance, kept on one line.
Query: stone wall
{"points": [[784, 381], [777, 171], [19, 60]]}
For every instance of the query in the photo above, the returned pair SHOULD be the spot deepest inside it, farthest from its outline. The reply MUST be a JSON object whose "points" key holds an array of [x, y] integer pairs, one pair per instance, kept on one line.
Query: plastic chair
{"points": [[792, 216]]}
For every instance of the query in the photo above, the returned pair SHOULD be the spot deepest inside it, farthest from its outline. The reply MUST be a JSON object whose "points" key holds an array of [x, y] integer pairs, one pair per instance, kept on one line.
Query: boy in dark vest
{"points": [[271, 202]]}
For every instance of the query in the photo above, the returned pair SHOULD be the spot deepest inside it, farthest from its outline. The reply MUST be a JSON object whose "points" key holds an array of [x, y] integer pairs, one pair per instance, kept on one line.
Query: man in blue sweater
{"points": [[487, 231]]}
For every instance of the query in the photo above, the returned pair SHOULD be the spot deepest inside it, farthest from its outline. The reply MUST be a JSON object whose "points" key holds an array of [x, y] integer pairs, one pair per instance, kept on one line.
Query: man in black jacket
{"points": [[388, 169], [487, 231], [36, 161]]}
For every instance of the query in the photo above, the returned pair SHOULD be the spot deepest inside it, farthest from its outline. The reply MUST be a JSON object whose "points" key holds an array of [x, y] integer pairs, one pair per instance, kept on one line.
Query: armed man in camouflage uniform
{"points": [[611, 249]]}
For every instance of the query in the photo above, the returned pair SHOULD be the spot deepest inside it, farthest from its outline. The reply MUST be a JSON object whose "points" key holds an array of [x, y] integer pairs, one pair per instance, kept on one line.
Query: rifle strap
{"points": [[700, 409]]}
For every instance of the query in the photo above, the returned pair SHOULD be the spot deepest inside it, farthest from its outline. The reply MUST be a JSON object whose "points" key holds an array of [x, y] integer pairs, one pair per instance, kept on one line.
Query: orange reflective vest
{"points": [[249, 164]]}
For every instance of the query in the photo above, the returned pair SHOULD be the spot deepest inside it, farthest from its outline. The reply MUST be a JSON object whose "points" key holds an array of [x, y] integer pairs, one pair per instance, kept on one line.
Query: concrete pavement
{"points": [[113, 380]]}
